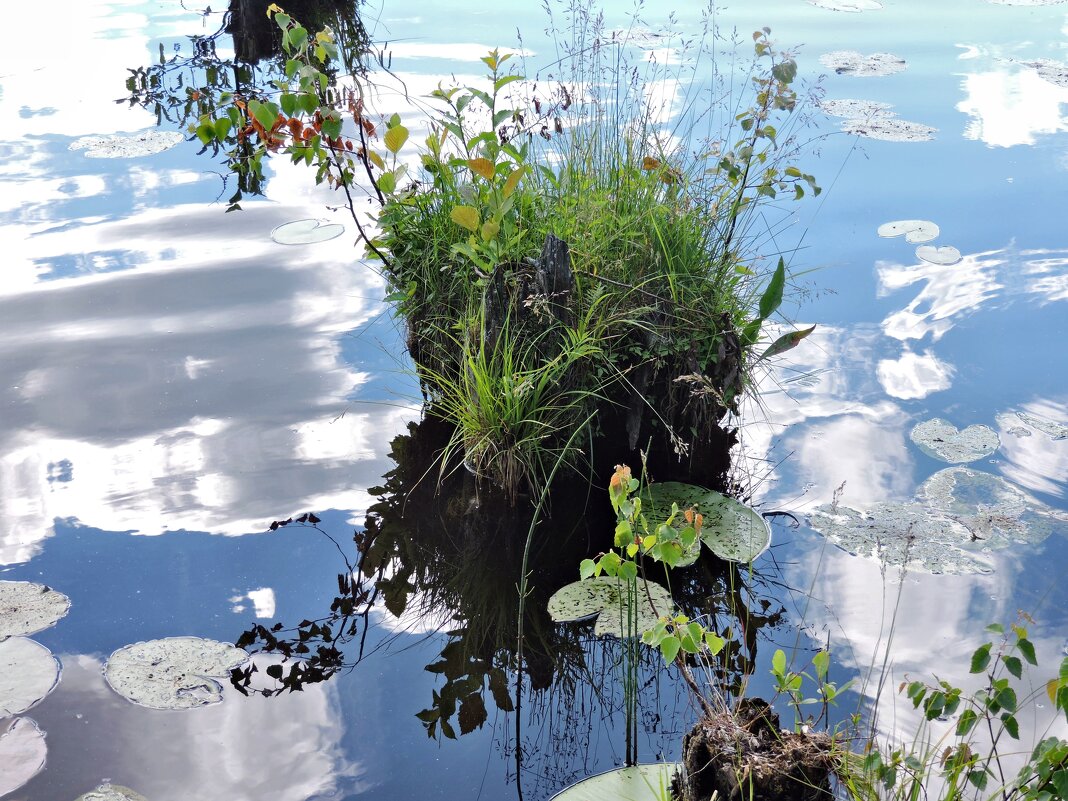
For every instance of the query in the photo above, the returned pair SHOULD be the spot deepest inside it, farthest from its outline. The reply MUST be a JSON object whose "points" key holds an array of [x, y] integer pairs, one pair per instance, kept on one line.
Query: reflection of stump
{"points": [[744, 755]]}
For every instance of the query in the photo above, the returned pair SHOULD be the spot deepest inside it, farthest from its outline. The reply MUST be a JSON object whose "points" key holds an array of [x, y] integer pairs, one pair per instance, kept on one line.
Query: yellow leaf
{"points": [[513, 181], [465, 216], [483, 167], [649, 163], [1051, 690], [376, 159], [490, 230], [395, 138], [273, 9]]}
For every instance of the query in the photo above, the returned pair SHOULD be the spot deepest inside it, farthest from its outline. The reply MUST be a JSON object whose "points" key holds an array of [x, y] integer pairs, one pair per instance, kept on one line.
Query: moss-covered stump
{"points": [[745, 755]]}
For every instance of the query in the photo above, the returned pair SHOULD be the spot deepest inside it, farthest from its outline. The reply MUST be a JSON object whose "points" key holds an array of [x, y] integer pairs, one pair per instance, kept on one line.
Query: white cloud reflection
{"points": [[1031, 458], [914, 375], [1011, 105]]}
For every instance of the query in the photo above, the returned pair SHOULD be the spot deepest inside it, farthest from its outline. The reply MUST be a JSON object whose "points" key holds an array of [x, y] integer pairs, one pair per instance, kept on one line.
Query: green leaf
{"points": [[772, 297], [980, 659], [785, 72], [298, 37], [778, 663], [206, 132], [1028, 650], [1013, 665], [1059, 780], [714, 642], [282, 19], [504, 80], [288, 101], [669, 647], [265, 113], [822, 662], [1011, 726], [785, 342], [966, 721], [587, 568]]}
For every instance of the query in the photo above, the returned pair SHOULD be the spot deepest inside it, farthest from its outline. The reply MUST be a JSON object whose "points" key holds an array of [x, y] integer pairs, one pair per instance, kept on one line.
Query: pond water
{"points": [[172, 380]]}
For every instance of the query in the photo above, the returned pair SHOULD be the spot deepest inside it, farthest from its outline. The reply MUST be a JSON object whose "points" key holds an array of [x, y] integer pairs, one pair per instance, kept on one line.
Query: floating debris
{"points": [[28, 673], [890, 129], [997, 513], [637, 783], [306, 232], [1055, 72], [605, 596], [731, 530], [959, 515], [172, 673], [1027, 2], [850, 6], [945, 255], [856, 109], [915, 231], [22, 753], [850, 62], [127, 147], [27, 607], [941, 439], [1051, 428], [111, 792]]}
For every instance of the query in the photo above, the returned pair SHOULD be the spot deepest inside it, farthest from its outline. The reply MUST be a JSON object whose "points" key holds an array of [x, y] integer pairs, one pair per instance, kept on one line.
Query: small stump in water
{"points": [[744, 754]]}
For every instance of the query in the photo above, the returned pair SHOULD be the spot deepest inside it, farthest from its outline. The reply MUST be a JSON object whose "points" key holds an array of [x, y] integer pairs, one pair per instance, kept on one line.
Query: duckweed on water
{"points": [[172, 673], [915, 231], [850, 62], [942, 440], [111, 792], [852, 109], [147, 143], [944, 256], [28, 673], [1051, 428], [1055, 72], [850, 6], [890, 129], [22, 753], [27, 607], [604, 596]]}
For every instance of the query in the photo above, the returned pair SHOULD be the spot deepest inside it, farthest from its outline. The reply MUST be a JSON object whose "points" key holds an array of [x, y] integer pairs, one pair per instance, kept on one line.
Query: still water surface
{"points": [[171, 381]]}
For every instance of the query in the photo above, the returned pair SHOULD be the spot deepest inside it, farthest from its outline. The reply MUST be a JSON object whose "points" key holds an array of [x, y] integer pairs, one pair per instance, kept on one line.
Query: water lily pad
{"points": [[944, 256], [942, 440], [605, 596], [915, 231], [28, 672], [898, 534], [890, 129], [22, 753], [995, 512], [172, 673], [637, 783], [147, 143], [849, 6], [731, 530], [27, 607], [306, 232], [1051, 428], [850, 62], [111, 792], [856, 109]]}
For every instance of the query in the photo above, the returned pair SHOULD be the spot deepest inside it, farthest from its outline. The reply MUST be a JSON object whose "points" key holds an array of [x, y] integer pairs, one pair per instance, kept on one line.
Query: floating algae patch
{"points": [[731, 530], [306, 232], [915, 231], [172, 673], [1051, 428], [851, 109], [944, 256], [997, 513], [28, 673], [890, 129], [850, 62], [27, 607], [897, 534], [1055, 72], [849, 6], [606, 597], [942, 440], [1027, 2], [127, 147], [636, 783], [111, 792], [22, 753]]}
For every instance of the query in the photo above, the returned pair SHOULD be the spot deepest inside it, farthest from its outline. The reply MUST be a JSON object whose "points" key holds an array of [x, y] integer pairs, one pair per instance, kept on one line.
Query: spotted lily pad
{"points": [[996, 512], [850, 62], [605, 596], [856, 109], [942, 440], [944, 256], [172, 673], [1051, 428], [28, 672], [306, 232], [22, 753], [27, 607], [850, 6], [890, 129], [111, 792], [731, 530], [147, 143], [915, 231], [637, 783]]}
